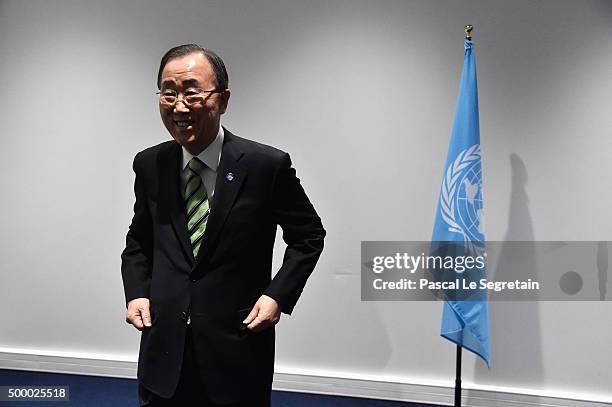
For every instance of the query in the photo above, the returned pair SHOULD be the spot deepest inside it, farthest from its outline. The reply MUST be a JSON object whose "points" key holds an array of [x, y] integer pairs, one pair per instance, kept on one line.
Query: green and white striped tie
{"points": [[197, 207]]}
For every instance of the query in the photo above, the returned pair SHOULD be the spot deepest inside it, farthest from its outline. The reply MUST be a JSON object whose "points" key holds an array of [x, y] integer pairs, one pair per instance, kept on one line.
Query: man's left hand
{"points": [[264, 314]]}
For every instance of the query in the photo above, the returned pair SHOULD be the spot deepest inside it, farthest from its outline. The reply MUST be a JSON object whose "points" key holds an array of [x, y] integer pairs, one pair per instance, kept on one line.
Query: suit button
{"points": [[193, 280]]}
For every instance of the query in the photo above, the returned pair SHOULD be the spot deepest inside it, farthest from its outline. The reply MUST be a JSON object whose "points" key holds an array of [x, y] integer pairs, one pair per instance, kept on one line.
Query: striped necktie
{"points": [[197, 207]]}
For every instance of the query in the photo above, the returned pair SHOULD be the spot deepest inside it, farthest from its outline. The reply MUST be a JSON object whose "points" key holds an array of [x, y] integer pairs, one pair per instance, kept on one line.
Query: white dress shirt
{"points": [[210, 157]]}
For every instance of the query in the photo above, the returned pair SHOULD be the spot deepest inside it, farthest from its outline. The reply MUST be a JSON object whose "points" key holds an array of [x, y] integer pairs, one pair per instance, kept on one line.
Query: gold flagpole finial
{"points": [[468, 32]]}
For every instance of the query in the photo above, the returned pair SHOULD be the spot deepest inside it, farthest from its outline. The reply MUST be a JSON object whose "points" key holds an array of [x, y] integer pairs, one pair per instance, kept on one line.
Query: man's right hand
{"points": [[138, 313]]}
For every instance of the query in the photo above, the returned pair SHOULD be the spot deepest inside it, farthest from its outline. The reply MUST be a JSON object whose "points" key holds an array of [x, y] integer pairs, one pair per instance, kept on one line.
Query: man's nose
{"points": [[179, 106]]}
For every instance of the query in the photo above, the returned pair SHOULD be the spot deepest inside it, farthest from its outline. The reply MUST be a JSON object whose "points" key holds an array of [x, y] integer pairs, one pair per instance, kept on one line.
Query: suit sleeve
{"points": [[302, 232], [136, 259]]}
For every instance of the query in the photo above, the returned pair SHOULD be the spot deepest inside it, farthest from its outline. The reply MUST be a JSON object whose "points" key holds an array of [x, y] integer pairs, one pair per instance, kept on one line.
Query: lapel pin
{"points": [[229, 176]]}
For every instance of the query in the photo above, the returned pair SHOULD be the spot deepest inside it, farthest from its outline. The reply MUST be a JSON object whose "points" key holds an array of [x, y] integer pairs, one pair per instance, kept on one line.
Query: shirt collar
{"points": [[211, 154]]}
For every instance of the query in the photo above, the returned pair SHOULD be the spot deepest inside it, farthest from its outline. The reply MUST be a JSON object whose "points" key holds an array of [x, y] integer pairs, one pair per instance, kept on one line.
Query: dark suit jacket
{"points": [[232, 271]]}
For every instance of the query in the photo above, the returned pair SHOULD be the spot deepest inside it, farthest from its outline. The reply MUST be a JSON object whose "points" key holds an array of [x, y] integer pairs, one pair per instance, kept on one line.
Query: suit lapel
{"points": [[231, 174], [171, 195]]}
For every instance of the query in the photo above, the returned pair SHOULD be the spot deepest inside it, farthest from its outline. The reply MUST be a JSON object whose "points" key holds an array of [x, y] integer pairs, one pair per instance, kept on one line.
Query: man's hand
{"points": [[264, 314], [138, 313]]}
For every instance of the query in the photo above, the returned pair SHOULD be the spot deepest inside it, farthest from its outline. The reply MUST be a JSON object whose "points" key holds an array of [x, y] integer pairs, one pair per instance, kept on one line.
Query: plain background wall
{"points": [[361, 93]]}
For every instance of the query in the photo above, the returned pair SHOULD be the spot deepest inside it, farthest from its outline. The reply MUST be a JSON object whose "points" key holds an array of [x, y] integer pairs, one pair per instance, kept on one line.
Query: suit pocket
{"points": [[153, 313], [241, 314]]}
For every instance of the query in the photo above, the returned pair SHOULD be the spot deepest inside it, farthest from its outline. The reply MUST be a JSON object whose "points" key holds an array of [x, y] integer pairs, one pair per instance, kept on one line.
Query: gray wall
{"points": [[362, 95]]}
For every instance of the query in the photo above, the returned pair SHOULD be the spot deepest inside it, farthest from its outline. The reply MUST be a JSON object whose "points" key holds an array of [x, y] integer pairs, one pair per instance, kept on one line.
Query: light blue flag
{"points": [[459, 217]]}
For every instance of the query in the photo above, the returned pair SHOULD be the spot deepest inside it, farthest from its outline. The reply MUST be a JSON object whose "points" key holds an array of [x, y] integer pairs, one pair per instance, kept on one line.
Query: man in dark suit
{"points": [[197, 264]]}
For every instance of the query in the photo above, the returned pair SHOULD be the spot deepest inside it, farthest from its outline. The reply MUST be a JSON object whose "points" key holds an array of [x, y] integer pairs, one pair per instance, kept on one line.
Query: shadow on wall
{"points": [[515, 332]]}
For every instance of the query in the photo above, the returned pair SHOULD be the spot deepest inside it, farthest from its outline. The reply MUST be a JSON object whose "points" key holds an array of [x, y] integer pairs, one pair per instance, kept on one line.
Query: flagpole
{"points": [[468, 36], [468, 32], [458, 377]]}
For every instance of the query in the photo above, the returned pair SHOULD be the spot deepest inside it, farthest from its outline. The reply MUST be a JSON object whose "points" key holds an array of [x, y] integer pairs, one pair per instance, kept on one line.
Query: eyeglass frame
{"points": [[200, 92]]}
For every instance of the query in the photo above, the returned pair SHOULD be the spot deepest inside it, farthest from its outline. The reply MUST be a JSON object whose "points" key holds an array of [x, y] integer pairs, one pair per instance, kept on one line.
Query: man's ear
{"points": [[224, 96]]}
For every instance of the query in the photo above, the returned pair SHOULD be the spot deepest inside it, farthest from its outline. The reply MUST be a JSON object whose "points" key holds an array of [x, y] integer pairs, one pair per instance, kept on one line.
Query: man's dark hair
{"points": [[221, 78]]}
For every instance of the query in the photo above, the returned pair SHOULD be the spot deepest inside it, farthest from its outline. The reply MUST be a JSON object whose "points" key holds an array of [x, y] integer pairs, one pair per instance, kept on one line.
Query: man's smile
{"points": [[183, 123]]}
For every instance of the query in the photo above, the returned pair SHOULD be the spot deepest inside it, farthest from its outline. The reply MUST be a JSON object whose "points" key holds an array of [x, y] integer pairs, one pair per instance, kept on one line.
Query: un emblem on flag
{"points": [[461, 198]]}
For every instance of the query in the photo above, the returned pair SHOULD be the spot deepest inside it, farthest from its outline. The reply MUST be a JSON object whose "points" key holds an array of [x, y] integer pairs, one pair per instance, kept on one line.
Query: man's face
{"points": [[193, 127]]}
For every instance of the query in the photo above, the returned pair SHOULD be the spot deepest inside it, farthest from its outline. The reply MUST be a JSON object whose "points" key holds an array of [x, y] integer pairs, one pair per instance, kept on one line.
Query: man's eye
{"points": [[191, 92], [172, 94]]}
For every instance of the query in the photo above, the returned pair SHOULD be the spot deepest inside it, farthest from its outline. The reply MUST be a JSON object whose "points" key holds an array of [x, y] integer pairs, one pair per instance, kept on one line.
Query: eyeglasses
{"points": [[191, 97]]}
